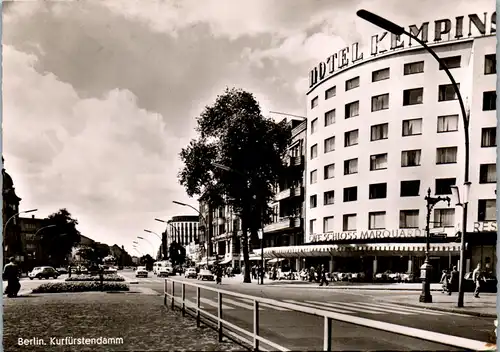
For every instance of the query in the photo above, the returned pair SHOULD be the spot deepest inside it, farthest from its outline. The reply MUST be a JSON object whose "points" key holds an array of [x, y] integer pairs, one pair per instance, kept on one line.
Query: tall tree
{"points": [[233, 132], [62, 235], [177, 253]]}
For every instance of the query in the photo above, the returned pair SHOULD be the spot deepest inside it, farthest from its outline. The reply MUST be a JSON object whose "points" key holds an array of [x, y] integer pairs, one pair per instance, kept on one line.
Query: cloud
{"points": [[105, 159]]}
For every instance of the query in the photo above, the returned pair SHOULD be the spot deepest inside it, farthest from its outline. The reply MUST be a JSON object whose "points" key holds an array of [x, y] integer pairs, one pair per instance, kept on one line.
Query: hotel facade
{"points": [[385, 126]]}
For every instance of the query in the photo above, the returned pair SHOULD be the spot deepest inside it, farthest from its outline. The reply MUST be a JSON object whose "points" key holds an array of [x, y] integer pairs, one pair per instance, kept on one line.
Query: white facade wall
{"points": [[473, 53]]}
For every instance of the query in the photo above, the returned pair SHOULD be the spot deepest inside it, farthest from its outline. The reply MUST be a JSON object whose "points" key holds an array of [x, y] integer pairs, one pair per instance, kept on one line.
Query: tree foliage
{"points": [[59, 236], [233, 132], [147, 261], [177, 253]]}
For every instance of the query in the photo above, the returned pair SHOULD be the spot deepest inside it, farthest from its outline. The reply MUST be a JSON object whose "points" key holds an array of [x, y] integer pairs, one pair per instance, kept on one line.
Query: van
{"points": [[163, 268]]}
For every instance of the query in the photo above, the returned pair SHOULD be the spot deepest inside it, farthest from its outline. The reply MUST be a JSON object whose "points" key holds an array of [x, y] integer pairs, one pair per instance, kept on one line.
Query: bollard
{"points": [[219, 314], [255, 325], [183, 295], [198, 306], [327, 335]]}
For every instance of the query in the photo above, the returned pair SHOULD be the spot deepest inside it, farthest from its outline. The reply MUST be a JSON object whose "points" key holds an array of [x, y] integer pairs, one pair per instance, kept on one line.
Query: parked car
{"points": [[62, 270], [205, 274], [358, 276], [43, 272], [489, 286], [141, 272], [407, 277], [190, 273], [164, 271]]}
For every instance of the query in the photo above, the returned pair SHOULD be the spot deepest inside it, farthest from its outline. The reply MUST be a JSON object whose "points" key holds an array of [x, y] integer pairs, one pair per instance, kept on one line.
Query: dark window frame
{"points": [[407, 95], [350, 192], [408, 189], [450, 59], [373, 191]]}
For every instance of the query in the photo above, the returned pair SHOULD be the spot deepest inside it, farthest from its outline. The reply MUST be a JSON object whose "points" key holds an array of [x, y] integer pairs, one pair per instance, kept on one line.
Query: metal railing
{"points": [[328, 318]]}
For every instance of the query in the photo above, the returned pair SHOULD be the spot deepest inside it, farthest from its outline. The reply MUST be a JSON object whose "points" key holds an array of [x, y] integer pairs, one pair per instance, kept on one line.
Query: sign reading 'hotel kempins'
{"points": [[444, 30]]}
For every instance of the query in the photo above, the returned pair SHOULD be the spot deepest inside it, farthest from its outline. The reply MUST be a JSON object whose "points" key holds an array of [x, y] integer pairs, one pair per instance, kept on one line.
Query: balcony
{"points": [[283, 224], [296, 160], [290, 193]]}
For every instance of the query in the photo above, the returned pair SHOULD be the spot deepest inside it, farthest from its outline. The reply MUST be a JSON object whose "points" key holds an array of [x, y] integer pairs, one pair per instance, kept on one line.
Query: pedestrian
{"points": [[218, 273], [11, 275], [69, 270], [477, 276], [454, 278], [311, 274], [323, 276], [444, 281]]}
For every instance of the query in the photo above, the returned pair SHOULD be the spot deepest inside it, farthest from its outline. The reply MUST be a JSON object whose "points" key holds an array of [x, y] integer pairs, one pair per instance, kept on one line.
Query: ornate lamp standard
{"points": [[426, 268]]}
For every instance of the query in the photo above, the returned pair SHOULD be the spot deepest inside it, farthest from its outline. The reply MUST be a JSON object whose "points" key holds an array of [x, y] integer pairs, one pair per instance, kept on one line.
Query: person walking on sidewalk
{"points": [[454, 277], [323, 276], [477, 276], [445, 282], [11, 275]]}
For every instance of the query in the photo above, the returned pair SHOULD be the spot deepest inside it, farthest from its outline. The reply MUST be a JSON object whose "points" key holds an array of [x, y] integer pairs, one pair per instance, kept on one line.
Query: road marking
{"points": [[384, 309], [410, 309], [350, 306], [336, 310], [238, 304], [266, 305], [214, 304]]}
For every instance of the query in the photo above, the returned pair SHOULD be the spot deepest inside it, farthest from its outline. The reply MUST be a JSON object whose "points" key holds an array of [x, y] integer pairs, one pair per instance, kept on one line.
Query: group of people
{"points": [[450, 279]]}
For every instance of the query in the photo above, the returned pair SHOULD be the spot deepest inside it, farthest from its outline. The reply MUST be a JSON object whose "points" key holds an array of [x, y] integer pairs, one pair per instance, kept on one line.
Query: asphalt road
{"points": [[300, 331]]}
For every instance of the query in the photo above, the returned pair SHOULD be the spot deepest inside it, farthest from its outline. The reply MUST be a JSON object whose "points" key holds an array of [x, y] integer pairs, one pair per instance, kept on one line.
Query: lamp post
{"points": [[42, 228], [462, 203], [426, 268], [154, 233], [13, 216], [172, 227], [145, 239], [398, 30]]}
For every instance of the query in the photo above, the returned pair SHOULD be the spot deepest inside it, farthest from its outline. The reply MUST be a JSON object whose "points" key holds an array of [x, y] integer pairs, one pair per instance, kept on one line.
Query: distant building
{"points": [[135, 260], [10, 217], [183, 229], [30, 234]]}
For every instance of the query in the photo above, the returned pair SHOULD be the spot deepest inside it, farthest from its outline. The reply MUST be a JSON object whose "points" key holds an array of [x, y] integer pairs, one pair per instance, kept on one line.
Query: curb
{"points": [[353, 288], [447, 310]]}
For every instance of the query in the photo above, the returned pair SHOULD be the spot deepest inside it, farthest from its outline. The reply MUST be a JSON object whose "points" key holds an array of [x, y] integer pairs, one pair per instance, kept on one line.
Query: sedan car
{"points": [[43, 272], [141, 272], [62, 270], [190, 273], [205, 274]]}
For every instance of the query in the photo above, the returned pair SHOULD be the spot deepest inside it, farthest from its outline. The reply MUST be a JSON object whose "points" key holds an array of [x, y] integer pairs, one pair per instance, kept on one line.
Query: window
{"points": [[313, 201], [414, 67], [351, 194], [330, 117], [488, 137], [314, 125], [378, 190], [314, 102], [328, 224], [450, 62], [380, 74], [352, 83], [413, 96], [410, 157], [351, 166], [351, 138], [380, 102], [352, 109], [488, 173], [489, 101], [312, 226], [408, 219], [490, 64], [379, 132], [329, 171], [447, 123], [446, 155], [487, 210], [443, 185], [447, 92], [376, 220], [349, 222], [410, 188], [412, 127], [313, 177], [314, 151], [328, 197], [331, 92], [329, 144], [378, 162], [444, 217]]}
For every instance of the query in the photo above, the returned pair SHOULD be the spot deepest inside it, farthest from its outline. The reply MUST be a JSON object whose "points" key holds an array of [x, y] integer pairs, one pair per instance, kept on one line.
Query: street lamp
{"points": [[161, 245], [398, 30], [12, 217], [455, 192], [42, 228], [426, 268], [145, 239]]}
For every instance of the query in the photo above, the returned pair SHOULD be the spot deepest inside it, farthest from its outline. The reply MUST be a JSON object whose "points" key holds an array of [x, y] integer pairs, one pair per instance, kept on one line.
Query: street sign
{"points": [[438, 235]]}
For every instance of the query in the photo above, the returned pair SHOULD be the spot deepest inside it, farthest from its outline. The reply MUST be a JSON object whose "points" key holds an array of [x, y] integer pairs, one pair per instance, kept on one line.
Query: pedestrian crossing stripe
{"points": [[371, 307], [346, 305], [411, 309], [265, 305], [336, 310]]}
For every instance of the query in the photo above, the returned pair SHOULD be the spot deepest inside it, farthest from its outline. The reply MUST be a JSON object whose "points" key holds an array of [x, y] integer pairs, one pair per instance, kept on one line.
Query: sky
{"points": [[100, 96]]}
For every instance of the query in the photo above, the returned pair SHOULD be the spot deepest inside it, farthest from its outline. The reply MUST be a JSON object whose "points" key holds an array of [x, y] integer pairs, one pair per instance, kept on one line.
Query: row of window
{"points": [[408, 188], [410, 128], [408, 218], [408, 69], [410, 97]]}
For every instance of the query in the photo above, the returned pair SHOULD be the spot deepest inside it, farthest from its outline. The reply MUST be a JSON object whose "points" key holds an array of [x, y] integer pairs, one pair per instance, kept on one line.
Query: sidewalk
{"points": [[140, 321], [486, 306]]}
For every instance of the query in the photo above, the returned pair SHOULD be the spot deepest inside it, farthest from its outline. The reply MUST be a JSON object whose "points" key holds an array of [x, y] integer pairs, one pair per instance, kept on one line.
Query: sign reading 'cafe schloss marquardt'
{"points": [[444, 30], [366, 235]]}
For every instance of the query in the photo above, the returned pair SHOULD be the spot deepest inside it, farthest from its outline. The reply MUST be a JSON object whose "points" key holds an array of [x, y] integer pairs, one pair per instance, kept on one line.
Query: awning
{"points": [[324, 250], [225, 261], [276, 260]]}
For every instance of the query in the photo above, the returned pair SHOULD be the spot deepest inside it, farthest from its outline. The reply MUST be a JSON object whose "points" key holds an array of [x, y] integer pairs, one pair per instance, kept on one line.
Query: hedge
{"points": [[110, 277], [60, 287]]}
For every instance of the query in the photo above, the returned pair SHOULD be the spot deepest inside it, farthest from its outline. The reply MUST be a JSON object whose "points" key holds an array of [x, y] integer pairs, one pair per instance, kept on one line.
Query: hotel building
{"points": [[385, 128], [183, 229]]}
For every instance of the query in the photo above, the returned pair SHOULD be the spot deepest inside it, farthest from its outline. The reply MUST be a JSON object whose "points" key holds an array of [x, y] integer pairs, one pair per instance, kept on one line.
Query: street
{"points": [[300, 331]]}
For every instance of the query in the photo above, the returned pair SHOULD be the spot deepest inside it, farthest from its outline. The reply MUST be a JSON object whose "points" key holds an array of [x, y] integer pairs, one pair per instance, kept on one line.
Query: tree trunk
{"points": [[246, 256]]}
